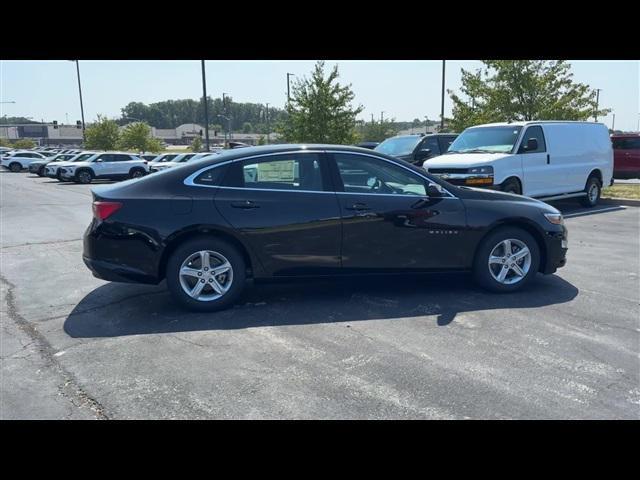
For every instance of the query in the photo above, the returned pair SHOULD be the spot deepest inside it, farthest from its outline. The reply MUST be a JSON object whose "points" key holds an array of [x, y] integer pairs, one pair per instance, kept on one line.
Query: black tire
{"points": [[136, 173], [83, 176], [512, 186], [191, 247], [481, 271], [593, 189], [15, 167], [41, 171]]}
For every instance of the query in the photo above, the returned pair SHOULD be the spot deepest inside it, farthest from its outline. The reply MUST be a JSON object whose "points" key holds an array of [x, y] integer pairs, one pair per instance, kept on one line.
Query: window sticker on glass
{"points": [[281, 171]]}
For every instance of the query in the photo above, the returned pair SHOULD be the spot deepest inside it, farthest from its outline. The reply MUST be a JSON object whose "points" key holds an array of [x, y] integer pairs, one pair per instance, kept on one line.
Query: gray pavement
{"points": [[73, 346]]}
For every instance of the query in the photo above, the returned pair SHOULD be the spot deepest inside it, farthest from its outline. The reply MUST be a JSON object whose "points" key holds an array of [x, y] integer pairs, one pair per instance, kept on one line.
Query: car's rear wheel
{"points": [[84, 176], [206, 274], [15, 167], [593, 189], [506, 260]]}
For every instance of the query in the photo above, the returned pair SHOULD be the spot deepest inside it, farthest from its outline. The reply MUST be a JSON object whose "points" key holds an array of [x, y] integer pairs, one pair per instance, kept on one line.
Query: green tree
{"points": [[4, 142], [377, 131], [512, 90], [320, 110], [246, 127], [261, 140], [102, 135], [24, 143], [137, 137], [196, 144]]}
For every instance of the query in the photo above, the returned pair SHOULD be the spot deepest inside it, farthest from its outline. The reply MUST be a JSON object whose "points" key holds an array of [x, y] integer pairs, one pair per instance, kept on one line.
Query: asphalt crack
{"points": [[70, 388]]}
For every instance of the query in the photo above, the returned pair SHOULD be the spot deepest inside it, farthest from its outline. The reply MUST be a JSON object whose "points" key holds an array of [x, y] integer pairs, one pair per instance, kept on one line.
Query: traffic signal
{"points": [[55, 124], [78, 124]]}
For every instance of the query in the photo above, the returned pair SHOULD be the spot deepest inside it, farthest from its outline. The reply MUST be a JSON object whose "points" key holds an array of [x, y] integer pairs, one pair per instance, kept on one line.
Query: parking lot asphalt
{"points": [[428, 347]]}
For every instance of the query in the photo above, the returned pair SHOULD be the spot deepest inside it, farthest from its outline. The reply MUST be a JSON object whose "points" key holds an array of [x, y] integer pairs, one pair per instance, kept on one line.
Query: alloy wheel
{"points": [[206, 275], [509, 261]]}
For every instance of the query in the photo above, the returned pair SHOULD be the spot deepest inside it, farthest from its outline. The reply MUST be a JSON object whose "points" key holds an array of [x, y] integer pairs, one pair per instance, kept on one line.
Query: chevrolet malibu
{"points": [[311, 210]]}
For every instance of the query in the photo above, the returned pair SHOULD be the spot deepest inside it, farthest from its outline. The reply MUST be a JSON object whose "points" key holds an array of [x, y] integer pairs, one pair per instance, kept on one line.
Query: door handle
{"points": [[359, 207], [245, 205], [548, 159]]}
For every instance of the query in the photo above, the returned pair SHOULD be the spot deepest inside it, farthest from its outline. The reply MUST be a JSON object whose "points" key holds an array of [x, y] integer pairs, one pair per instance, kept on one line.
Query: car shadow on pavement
{"points": [[115, 309]]}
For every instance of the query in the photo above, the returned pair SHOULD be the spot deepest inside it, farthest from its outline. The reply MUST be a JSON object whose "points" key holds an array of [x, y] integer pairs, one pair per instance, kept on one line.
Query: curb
{"points": [[631, 202]]}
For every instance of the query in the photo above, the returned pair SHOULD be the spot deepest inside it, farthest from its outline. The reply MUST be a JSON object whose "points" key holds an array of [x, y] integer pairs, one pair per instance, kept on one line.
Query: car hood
{"points": [[462, 160], [472, 193]]}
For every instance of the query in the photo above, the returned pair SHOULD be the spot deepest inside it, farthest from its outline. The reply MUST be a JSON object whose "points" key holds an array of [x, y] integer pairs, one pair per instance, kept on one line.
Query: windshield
{"points": [[398, 146], [84, 157], [486, 139]]}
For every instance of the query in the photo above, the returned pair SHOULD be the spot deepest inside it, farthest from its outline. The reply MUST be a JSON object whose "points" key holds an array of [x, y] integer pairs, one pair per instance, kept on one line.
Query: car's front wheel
{"points": [[84, 176], [506, 260], [206, 274], [15, 167]]}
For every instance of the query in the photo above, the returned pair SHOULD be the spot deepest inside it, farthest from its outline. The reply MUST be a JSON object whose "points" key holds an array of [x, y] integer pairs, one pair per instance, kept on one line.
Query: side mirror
{"points": [[423, 153], [99, 160], [532, 144], [434, 190]]}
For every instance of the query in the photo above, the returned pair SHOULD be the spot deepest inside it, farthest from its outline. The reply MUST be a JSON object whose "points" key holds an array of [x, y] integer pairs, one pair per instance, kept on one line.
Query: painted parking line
{"points": [[590, 212]]}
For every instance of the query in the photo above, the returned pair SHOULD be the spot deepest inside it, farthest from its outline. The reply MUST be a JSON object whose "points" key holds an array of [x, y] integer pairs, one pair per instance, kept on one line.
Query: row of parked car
{"points": [[82, 166]]}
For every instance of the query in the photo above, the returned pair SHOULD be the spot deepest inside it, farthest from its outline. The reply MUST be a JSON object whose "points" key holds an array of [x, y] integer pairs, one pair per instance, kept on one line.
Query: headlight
{"points": [[487, 170], [555, 218]]}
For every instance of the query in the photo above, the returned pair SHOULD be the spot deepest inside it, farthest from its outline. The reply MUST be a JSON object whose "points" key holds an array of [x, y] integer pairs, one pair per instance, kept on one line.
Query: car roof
{"points": [[530, 122]]}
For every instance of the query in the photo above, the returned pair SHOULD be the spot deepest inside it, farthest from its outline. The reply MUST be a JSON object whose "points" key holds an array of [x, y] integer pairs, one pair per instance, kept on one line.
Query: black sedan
{"points": [[301, 210]]}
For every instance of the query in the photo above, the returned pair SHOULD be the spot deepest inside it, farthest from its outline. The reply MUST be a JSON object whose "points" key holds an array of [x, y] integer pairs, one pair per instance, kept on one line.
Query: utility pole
{"points": [[267, 119], [613, 124], [442, 99], [224, 110], [381, 116], [595, 114], [372, 121], [206, 108], [288, 91], [84, 138]]}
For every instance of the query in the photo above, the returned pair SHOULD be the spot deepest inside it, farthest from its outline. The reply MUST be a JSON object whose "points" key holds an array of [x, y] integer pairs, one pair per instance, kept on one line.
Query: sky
{"points": [[404, 90]]}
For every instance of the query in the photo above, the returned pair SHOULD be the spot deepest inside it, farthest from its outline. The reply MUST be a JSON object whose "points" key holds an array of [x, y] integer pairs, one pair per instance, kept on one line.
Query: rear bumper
{"points": [[117, 273]]}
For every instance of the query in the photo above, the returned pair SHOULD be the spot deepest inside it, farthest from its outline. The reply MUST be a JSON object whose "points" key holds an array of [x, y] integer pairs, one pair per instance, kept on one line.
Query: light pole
{"points": [[595, 114], [288, 91], [613, 124], [381, 117], [206, 109], [81, 106], [228, 128], [442, 99]]}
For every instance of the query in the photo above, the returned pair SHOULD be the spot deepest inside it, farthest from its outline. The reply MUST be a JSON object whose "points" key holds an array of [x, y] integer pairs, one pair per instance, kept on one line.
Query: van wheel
{"points": [[84, 176], [206, 274], [15, 167], [512, 186], [506, 260], [593, 190]]}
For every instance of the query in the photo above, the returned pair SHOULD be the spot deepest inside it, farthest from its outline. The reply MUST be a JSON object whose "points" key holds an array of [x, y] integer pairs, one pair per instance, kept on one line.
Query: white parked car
{"points": [[52, 170], [107, 165], [179, 160], [549, 160], [20, 159]]}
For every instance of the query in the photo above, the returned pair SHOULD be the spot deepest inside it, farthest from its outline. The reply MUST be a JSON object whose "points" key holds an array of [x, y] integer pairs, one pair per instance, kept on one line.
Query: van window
{"points": [[533, 132]]}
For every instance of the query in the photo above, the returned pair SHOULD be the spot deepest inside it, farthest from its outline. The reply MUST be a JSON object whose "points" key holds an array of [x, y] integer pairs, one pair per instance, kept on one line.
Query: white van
{"points": [[549, 160]]}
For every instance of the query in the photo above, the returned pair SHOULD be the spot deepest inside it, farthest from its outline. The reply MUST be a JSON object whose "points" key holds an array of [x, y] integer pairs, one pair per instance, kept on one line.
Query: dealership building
{"points": [[47, 134]]}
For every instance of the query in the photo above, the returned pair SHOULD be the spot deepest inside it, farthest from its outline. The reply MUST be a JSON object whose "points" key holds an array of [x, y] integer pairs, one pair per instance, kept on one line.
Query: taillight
{"points": [[103, 210]]}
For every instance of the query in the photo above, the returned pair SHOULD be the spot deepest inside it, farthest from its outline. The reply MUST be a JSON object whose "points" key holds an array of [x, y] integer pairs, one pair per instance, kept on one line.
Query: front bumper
{"points": [[467, 179], [556, 251]]}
